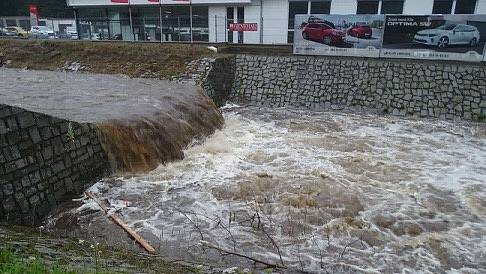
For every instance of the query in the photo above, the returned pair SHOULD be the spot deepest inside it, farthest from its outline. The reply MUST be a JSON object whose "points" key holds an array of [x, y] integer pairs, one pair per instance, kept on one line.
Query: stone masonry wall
{"points": [[41, 165], [219, 80], [417, 88]]}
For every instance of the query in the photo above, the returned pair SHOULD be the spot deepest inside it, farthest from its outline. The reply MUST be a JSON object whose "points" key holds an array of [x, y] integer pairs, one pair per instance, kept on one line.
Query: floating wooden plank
{"points": [[119, 222]]}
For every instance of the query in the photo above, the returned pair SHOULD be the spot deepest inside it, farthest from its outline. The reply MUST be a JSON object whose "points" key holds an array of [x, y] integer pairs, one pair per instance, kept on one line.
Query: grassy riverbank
{"points": [[134, 59], [25, 250]]}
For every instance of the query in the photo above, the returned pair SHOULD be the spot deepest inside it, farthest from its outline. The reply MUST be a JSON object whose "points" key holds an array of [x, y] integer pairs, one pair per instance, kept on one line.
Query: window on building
{"points": [[241, 19], [442, 7], [295, 7], [465, 6], [392, 7], [11, 22], [300, 7], [367, 7], [320, 7], [230, 15], [200, 23], [25, 24]]}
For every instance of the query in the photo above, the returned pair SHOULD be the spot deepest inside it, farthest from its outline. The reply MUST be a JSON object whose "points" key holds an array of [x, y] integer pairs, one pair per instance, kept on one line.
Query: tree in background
{"points": [[47, 8]]}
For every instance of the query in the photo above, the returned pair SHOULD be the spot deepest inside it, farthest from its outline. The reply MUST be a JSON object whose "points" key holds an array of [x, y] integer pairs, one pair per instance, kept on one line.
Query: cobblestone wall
{"points": [[409, 87], [219, 80], [43, 162], [214, 75]]}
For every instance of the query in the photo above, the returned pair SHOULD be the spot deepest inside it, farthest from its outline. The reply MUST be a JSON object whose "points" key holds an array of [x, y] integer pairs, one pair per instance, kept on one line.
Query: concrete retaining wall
{"points": [[41, 165], [402, 87]]}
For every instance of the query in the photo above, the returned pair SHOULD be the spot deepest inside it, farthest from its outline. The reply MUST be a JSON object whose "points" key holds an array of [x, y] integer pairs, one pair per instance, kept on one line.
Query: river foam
{"points": [[317, 192]]}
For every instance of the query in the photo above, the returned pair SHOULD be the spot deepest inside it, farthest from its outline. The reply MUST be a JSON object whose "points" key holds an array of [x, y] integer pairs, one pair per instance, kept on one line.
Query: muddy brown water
{"points": [[320, 192], [330, 192], [143, 122]]}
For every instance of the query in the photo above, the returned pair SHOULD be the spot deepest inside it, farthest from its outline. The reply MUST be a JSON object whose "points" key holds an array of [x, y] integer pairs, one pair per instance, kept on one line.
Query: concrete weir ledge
{"points": [[61, 132]]}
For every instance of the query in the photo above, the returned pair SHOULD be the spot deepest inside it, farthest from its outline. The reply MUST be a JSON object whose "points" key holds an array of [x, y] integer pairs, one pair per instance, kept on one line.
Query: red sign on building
{"points": [[243, 27], [34, 15]]}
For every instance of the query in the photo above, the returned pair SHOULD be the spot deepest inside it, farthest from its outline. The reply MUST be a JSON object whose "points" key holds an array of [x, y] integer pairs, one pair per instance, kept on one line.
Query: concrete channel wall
{"points": [[417, 88], [43, 162]]}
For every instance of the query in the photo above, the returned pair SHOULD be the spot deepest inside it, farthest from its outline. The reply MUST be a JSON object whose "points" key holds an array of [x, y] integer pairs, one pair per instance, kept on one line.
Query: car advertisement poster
{"points": [[437, 37], [343, 35]]}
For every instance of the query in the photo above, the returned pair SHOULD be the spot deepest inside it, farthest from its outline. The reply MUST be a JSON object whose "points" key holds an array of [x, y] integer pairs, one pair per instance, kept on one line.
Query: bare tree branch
{"points": [[242, 256]]}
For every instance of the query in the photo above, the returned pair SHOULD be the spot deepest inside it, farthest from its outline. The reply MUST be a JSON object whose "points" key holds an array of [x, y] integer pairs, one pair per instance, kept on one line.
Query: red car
{"points": [[360, 30], [323, 33]]}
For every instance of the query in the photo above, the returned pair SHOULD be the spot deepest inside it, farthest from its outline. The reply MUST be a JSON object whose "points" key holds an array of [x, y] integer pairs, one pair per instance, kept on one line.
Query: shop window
{"points": [[176, 23], [295, 7], [200, 23], [230, 15], [465, 6], [300, 7], [392, 7], [367, 7], [320, 7], [11, 22], [241, 19], [442, 7], [25, 24]]}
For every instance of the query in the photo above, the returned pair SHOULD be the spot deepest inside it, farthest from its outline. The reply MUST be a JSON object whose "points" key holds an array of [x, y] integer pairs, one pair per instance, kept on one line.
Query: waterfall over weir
{"points": [[312, 191], [142, 122]]}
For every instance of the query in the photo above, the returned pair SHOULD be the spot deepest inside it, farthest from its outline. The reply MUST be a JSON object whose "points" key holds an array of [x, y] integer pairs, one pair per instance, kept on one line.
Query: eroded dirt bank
{"points": [[149, 60]]}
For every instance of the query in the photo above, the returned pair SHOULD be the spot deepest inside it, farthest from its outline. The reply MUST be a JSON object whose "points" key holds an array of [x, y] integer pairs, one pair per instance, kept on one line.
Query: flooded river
{"points": [[315, 192], [309, 191]]}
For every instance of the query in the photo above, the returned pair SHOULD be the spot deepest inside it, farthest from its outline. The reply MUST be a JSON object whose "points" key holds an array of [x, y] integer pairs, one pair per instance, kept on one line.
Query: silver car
{"points": [[42, 32], [449, 34]]}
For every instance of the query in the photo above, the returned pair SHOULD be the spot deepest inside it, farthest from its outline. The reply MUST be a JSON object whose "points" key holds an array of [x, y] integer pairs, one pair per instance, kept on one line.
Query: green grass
{"points": [[12, 263], [25, 250]]}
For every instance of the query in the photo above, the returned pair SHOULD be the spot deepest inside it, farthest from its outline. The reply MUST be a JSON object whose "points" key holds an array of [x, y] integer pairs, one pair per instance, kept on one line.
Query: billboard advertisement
{"points": [[437, 37], [342, 35], [484, 54]]}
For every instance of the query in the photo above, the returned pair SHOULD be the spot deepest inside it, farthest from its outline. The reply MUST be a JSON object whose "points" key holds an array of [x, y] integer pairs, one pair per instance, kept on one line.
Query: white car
{"points": [[72, 32], [42, 32], [448, 34]]}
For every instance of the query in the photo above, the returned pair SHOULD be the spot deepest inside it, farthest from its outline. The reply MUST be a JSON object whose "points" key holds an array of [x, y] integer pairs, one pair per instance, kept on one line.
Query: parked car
{"points": [[42, 32], [7, 33], [360, 30], [323, 33], [448, 34], [20, 32], [313, 19], [71, 33]]}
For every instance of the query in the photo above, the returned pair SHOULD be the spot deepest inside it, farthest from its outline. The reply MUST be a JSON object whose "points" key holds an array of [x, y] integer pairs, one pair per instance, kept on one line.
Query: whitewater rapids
{"points": [[326, 192]]}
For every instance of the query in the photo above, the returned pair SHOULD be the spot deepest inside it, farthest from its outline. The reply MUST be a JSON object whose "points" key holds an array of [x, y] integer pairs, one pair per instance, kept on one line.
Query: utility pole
{"points": [[160, 21], [261, 21], [131, 21]]}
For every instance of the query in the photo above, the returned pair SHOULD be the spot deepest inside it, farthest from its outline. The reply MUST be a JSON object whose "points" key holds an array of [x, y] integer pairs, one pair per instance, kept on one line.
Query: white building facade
{"points": [[170, 20]]}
